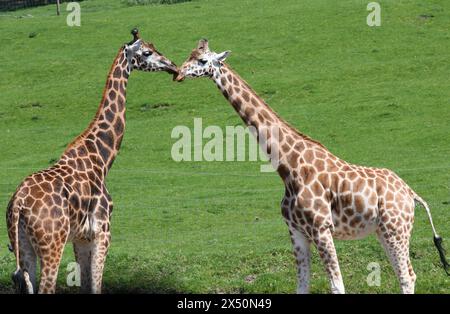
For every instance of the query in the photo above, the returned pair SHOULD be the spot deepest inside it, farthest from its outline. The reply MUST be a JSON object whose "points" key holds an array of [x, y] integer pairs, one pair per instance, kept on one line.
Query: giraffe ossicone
{"points": [[325, 196], [69, 201]]}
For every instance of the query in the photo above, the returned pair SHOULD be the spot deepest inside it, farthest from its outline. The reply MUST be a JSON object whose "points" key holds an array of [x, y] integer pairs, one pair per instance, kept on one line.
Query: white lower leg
{"points": [[303, 256], [28, 283], [337, 286]]}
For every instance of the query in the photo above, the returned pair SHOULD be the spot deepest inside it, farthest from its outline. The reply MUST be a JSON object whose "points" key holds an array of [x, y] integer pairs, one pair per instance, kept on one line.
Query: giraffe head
{"points": [[143, 56], [202, 62]]}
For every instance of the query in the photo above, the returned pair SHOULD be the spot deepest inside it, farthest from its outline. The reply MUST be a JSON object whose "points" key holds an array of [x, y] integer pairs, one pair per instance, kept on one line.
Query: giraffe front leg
{"points": [[83, 251], [323, 240], [99, 252], [302, 254]]}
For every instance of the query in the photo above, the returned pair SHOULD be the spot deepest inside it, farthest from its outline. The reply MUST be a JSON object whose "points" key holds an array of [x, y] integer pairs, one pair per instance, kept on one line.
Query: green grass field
{"points": [[374, 96]]}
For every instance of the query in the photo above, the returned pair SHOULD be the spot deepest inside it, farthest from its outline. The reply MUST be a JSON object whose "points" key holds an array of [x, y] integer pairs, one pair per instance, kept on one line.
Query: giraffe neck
{"points": [[250, 107], [103, 137], [256, 113]]}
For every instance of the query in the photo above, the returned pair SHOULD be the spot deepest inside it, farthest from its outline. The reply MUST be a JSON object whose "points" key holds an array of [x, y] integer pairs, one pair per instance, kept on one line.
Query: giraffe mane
{"points": [[83, 135], [195, 54], [302, 135]]}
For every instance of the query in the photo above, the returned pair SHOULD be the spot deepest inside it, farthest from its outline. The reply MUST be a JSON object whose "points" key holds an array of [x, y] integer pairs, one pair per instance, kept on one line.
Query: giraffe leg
{"points": [[49, 270], [99, 252], [50, 253], [412, 274], [83, 251], [397, 249], [302, 254], [323, 240]]}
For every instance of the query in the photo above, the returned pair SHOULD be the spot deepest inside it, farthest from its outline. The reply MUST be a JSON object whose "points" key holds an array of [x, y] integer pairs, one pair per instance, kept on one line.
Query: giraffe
{"points": [[325, 196], [69, 201]]}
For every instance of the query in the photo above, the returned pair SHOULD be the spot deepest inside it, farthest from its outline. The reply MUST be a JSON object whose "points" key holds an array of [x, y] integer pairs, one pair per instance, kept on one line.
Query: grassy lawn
{"points": [[374, 96]]}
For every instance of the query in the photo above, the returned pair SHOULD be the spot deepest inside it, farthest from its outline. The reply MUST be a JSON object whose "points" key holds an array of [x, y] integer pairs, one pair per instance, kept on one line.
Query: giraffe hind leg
{"points": [[49, 271], [397, 249], [50, 256], [24, 278], [83, 253], [99, 252], [22, 282]]}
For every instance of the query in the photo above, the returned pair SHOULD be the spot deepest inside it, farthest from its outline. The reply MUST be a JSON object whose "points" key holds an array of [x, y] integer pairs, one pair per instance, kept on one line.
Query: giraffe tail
{"points": [[19, 277], [436, 238], [13, 215]]}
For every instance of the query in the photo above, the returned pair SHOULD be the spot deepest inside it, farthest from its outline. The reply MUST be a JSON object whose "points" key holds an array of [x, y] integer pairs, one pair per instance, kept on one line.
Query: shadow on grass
{"points": [[124, 274], [134, 274]]}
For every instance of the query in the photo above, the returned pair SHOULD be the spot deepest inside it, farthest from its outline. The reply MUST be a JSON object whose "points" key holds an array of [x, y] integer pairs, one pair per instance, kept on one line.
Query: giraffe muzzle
{"points": [[173, 69], [179, 78]]}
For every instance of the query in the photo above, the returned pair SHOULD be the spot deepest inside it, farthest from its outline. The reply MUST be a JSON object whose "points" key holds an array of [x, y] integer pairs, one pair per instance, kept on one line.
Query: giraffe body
{"points": [[325, 196], [69, 201]]}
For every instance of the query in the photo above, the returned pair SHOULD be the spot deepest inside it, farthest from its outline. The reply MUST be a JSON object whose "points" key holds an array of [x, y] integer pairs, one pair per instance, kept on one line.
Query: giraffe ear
{"points": [[223, 55], [134, 47]]}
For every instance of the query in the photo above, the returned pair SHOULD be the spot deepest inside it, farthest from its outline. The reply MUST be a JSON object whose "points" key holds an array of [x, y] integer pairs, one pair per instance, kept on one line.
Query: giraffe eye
{"points": [[147, 53], [202, 61]]}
